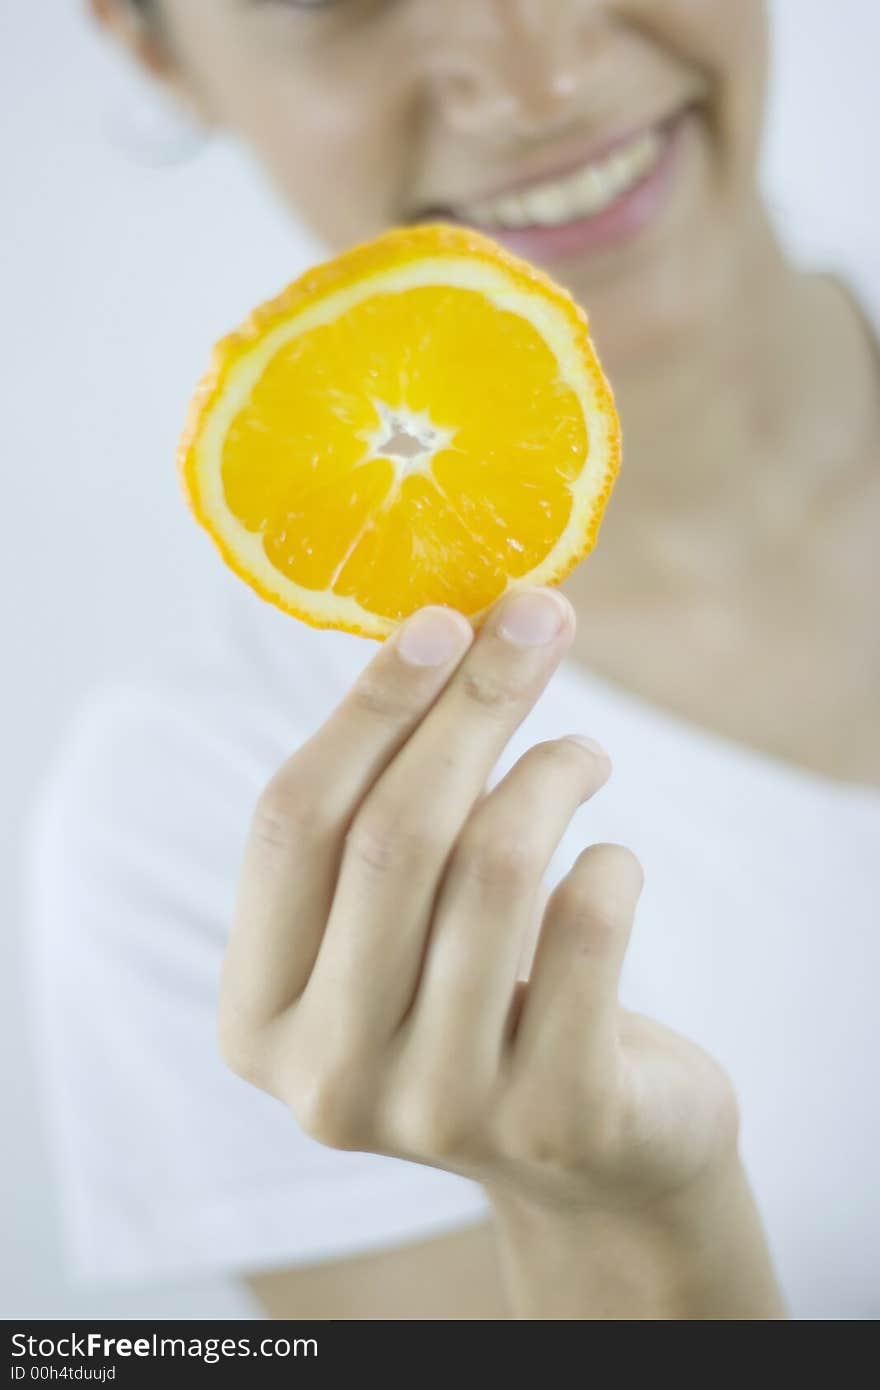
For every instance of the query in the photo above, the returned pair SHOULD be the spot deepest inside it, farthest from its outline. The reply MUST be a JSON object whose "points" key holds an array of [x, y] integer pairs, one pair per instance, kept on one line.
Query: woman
{"points": [[723, 643]]}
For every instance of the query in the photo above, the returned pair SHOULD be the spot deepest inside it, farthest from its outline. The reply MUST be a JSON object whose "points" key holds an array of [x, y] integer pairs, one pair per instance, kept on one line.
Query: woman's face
{"points": [[613, 141]]}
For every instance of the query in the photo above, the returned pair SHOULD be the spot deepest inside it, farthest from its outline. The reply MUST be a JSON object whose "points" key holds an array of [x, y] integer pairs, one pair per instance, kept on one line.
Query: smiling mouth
{"points": [[584, 193]]}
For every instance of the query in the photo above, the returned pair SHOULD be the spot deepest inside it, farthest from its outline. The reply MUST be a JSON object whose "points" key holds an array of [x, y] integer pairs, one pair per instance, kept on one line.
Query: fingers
{"points": [[570, 1009], [487, 904], [401, 838], [385, 705], [292, 854]]}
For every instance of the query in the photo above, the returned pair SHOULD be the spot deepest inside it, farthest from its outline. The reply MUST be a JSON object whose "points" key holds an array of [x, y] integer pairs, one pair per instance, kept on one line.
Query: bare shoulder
{"points": [[452, 1278]]}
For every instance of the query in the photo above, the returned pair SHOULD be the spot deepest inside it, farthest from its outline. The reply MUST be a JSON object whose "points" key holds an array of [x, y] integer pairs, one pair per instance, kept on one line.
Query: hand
{"points": [[385, 904]]}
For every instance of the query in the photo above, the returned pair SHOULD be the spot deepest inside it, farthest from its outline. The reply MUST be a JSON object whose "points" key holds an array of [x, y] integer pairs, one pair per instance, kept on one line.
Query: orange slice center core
{"points": [[409, 439]]}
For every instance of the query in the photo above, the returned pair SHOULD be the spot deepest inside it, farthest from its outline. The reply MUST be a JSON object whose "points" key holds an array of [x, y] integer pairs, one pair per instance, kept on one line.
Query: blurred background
{"points": [[126, 247]]}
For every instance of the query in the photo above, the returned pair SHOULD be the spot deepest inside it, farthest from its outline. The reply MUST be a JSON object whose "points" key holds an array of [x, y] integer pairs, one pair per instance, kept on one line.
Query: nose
{"points": [[514, 67]]}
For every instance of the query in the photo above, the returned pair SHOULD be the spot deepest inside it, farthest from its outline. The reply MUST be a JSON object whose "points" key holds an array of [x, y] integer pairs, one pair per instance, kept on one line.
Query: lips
{"points": [[591, 205], [584, 192]]}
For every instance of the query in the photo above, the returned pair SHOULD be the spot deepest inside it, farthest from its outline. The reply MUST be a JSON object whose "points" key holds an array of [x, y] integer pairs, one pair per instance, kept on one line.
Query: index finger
{"points": [[293, 848]]}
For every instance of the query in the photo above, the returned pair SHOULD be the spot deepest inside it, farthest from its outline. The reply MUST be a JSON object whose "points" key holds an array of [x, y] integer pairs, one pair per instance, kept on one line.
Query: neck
{"points": [[777, 376]]}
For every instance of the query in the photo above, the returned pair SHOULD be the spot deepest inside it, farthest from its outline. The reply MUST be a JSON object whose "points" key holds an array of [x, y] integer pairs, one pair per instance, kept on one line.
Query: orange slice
{"points": [[421, 420]]}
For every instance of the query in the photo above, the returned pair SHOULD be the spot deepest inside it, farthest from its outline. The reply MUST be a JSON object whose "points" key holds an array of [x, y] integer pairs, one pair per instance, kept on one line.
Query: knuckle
{"points": [[600, 892], [380, 700], [547, 1147], [285, 814], [593, 918], [431, 1124], [543, 1134], [524, 1134], [325, 1105], [383, 842], [605, 925], [488, 692], [498, 860]]}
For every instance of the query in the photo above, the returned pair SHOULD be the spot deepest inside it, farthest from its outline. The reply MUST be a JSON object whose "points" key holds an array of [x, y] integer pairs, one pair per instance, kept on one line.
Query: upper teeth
{"points": [[582, 194]]}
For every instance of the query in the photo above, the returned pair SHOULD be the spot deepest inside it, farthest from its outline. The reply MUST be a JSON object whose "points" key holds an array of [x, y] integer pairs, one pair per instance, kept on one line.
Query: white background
{"points": [[115, 278]]}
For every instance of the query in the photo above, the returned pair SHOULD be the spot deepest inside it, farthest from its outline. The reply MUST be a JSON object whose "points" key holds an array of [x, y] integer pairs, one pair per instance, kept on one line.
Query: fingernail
{"points": [[591, 746], [432, 637], [534, 618]]}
